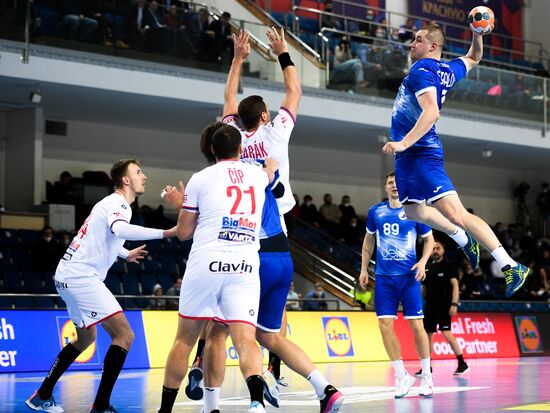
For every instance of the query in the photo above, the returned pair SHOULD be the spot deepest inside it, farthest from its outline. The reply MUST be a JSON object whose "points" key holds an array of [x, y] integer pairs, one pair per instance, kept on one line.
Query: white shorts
{"points": [[221, 286], [89, 301]]}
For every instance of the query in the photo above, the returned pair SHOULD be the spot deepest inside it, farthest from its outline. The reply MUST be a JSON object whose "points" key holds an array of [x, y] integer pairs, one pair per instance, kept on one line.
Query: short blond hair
{"points": [[435, 34]]}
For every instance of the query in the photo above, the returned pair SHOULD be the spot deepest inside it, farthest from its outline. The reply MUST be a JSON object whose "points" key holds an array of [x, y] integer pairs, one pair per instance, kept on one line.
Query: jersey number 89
{"points": [[391, 229]]}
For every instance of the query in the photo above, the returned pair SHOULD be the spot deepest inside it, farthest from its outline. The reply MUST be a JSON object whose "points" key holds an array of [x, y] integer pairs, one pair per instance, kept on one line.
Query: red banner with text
{"points": [[479, 335]]}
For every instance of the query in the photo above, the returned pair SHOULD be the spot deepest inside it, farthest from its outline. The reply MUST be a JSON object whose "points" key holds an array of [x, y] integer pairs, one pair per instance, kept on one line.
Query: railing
{"points": [[334, 304], [489, 49], [392, 16]]}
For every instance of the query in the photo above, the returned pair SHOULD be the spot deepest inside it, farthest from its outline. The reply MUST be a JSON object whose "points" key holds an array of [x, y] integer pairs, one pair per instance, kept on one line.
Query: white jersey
{"points": [[229, 199], [94, 249], [270, 140]]}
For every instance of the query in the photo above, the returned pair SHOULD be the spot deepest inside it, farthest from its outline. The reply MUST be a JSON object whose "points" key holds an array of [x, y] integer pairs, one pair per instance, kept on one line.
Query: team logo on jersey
{"points": [[338, 337], [238, 230], [528, 333], [123, 206], [94, 314], [402, 216], [67, 333]]}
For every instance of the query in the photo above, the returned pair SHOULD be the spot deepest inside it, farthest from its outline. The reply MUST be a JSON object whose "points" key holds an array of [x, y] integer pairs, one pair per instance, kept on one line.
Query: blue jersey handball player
{"points": [[398, 277], [420, 174]]}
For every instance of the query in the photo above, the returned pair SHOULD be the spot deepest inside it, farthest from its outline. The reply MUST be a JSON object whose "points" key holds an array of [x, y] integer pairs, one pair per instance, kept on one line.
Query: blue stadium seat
{"points": [[166, 280], [49, 285], [119, 266], [151, 264], [6, 263], [12, 282], [130, 285], [153, 245], [134, 268], [33, 282], [170, 245], [60, 303], [113, 283], [148, 281], [44, 302], [28, 237], [8, 238], [169, 264], [23, 302], [6, 302]]}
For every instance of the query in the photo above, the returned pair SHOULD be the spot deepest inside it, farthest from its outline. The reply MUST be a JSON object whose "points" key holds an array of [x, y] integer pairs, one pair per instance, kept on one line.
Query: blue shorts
{"points": [[390, 290], [276, 272], [422, 178]]}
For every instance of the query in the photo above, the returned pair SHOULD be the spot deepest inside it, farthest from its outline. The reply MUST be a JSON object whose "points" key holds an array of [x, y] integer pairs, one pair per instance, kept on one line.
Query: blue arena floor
{"points": [[491, 385]]}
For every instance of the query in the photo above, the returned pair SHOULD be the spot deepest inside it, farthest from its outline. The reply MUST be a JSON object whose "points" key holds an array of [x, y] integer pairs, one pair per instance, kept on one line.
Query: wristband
{"points": [[454, 305], [285, 60]]}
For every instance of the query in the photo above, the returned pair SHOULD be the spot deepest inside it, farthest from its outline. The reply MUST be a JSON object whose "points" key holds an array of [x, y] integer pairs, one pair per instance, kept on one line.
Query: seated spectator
{"points": [[330, 215], [332, 22], [352, 233], [223, 42], [347, 68], [137, 24], [178, 41], [46, 252], [348, 211], [363, 296], [157, 303], [471, 283], [173, 303], [537, 285], [155, 29], [381, 33], [309, 212], [317, 301], [407, 31], [367, 28], [63, 192], [292, 295], [202, 36], [78, 26]]}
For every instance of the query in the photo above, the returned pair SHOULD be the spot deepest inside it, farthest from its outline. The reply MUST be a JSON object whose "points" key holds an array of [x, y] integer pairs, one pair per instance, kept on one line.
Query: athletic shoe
{"points": [[461, 369], [271, 389], [36, 403], [332, 400], [515, 278], [426, 386], [281, 383], [471, 250], [110, 409], [403, 385], [213, 411], [256, 407], [419, 372], [194, 389]]}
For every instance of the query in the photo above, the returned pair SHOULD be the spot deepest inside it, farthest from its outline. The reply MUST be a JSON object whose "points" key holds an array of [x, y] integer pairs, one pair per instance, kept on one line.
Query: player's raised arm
{"points": [[293, 87], [242, 50], [475, 54]]}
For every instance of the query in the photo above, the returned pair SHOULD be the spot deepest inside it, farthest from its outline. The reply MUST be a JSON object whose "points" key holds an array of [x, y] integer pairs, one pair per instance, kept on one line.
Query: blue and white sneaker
{"points": [[110, 409], [272, 393], [471, 250], [515, 278], [256, 407], [36, 403], [194, 389]]}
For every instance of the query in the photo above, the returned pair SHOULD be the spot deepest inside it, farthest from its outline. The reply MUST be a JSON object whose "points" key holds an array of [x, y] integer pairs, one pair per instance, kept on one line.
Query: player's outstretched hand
{"points": [[170, 233], [420, 271], [240, 44], [137, 254], [363, 279], [392, 148], [277, 41], [172, 196]]}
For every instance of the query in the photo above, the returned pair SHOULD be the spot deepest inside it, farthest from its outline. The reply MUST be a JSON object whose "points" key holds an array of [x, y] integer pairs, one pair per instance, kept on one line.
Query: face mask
{"points": [[353, 224], [47, 239], [308, 203], [345, 203], [66, 242]]}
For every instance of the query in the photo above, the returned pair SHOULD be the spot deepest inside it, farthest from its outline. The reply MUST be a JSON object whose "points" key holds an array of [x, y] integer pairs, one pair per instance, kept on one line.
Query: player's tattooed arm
{"points": [[366, 254]]}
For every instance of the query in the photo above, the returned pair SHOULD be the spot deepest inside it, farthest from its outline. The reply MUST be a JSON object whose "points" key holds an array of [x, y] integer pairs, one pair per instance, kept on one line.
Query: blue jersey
{"points": [[271, 219], [395, 239], [424, 75]]}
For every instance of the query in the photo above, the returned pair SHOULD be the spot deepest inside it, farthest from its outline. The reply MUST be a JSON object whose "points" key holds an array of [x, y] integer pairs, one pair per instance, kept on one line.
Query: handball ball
{"points": [[481, 19]]}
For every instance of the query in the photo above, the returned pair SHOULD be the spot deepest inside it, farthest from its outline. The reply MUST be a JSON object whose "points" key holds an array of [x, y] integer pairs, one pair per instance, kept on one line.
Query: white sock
{"points": [[211, 399], [318, 382], [460, 237], [399, 367], [426, 368], [502, 258]]}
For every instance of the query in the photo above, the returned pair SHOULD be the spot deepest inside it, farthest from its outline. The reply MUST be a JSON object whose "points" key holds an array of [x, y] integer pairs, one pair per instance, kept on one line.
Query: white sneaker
{"points": [[426, 386], [256, 407], [272, 392], [403, 385]]}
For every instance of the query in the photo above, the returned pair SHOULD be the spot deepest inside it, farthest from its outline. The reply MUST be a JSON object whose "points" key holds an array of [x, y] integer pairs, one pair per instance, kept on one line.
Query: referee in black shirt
{"points": [[440, 289]]}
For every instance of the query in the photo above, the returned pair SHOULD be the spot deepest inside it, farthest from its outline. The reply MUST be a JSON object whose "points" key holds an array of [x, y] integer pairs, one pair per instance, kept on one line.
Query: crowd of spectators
{"points": [[159, 26]]}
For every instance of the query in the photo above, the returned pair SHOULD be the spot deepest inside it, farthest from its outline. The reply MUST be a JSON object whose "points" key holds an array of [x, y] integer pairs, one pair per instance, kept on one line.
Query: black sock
{"points": [[200, 349], [460, 359], [168, 399], [112, 365], [256, 388], [64, 359], [275, 365]]}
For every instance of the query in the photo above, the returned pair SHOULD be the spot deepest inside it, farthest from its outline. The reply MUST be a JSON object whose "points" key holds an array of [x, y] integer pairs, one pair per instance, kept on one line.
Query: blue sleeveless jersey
{"points": [[395, 239], [424, 75]]}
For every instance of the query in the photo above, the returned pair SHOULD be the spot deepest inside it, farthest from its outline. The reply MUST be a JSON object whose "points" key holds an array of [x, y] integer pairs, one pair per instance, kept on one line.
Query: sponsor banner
{"points": [[22, 330], [479, 335], [528, 335]]}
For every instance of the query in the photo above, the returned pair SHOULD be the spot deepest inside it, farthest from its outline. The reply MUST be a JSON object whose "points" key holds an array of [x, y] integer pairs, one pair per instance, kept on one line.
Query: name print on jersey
{"points": [[229, 267], [256, 151]]}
